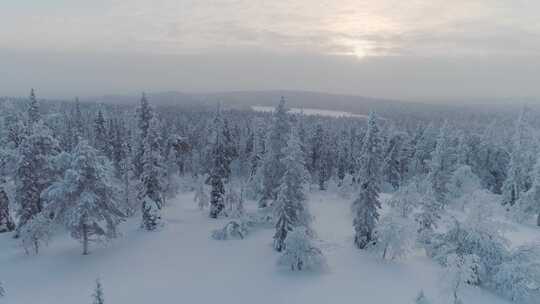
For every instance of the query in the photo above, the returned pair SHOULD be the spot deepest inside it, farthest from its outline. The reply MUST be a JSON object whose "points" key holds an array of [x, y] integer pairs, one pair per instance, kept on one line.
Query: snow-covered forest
{"points": [[112, 203]]}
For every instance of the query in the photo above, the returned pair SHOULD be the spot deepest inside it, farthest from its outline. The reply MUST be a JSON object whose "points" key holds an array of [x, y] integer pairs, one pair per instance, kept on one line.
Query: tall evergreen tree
{"points": [[100, 134], [34, 172], [291, 210], [150, 193], [518, 178], [145, 113], [33, 109], [273, 169], [85, 199], [366, 206], [441, 165], [220, 170], [6, 222]]}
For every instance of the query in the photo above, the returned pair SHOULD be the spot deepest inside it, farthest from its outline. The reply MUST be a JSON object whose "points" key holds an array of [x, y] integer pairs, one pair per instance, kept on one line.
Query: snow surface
{"points": [[182, 264], [308, 111]]}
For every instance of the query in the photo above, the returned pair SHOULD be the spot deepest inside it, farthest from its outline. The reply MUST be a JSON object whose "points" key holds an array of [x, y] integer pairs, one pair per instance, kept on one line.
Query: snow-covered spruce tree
{"points": [[84, 201], [290, 207], [366, 206], [145, 113], [343, 161], [2, 290], [528, 204], [441, 165], [396, 160], [491, 160], [98, 296], [220, 170], [33, 109], [425, 144], [34, 172], [522, 159], [300, 253], [150, 188], [273, 170], [100, 134], [6, 222]]}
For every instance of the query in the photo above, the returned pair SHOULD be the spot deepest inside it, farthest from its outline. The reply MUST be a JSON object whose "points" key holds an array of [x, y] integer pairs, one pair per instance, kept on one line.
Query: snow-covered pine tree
{"points": [[220, 170], [84, 201], [290, 207], [98, 295], [150, 188], [272, 168], [343, 163], [441, 165], [33, 109], [529, 202], [366, 206], [6, 222], [145, 113], [425, 144], [518, 179], [100, 134], [316, 166], [2, 290], [78, 121], [34, 172]]}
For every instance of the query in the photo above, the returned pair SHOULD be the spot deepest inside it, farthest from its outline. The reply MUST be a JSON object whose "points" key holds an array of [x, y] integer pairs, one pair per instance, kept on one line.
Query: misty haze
{"points": [[235, 151]]}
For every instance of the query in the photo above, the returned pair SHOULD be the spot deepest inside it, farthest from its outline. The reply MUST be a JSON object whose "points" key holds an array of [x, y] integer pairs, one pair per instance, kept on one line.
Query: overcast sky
{"points": [[418, 49]]}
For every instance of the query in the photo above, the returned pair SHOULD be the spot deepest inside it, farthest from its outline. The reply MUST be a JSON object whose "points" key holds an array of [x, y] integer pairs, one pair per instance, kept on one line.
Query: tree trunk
{"points": [[538, 220], [85, 236]]}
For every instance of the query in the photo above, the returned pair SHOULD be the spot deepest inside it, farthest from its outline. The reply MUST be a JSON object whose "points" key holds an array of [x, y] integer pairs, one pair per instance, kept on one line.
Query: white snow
{"points": [[182, 264], [308, 111]]}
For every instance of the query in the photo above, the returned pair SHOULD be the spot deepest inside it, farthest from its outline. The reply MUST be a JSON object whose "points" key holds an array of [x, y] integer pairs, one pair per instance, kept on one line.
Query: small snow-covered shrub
{"points": [[233, 230], [421, 298], [300, 252], [36, 232], [240, 228]]}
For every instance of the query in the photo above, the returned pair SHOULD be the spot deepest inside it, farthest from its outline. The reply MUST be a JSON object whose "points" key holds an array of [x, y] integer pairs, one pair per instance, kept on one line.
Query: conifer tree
{"points": [[100, 134], [366, 206], [291, 210], [34, 172], [220, 170], [33, 109], [273, 168], [6, 222], [441, 165], [145, 113], [84, 200], [150, 192]]}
